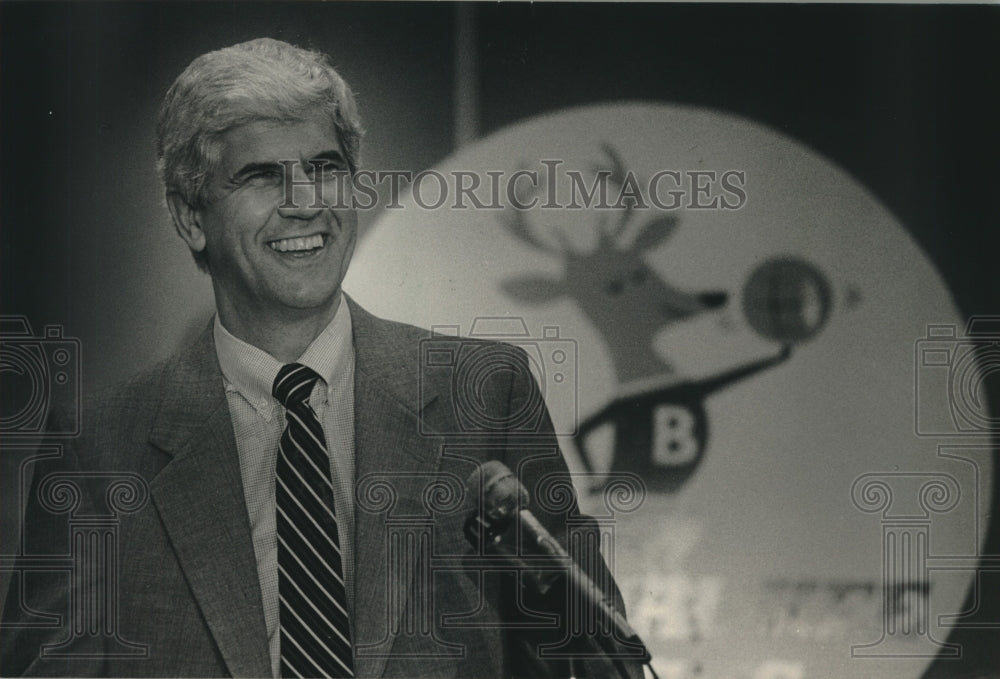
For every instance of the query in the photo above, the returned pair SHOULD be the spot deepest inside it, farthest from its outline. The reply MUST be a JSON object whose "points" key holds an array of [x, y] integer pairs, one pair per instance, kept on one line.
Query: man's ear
{"points": [[187, 221]]}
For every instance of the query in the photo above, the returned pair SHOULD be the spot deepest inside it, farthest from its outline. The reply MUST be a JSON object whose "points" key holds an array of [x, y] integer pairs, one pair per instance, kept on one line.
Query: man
{"points": [[298, 464]]}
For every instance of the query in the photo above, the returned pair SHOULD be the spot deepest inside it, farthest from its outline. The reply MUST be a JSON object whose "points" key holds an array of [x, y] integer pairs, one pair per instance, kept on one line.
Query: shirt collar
{"points": [[250, 371]]}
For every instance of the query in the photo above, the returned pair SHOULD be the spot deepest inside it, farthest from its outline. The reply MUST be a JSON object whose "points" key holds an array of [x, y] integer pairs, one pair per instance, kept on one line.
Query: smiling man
{"points": [[276, 261], [281, 449]]}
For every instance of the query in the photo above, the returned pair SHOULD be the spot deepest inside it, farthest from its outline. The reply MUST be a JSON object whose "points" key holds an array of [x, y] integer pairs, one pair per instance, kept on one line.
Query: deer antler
{"points": [[617, 169], [512, 218], [515, 221], [619, 175]]}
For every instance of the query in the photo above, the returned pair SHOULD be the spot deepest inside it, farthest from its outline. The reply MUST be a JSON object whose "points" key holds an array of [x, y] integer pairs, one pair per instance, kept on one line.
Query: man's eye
{"points": [[264, 177], [332, 170]]}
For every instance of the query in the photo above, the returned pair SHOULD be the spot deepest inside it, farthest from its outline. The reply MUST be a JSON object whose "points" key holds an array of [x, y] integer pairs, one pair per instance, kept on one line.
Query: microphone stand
{"points": [[480, 532]]}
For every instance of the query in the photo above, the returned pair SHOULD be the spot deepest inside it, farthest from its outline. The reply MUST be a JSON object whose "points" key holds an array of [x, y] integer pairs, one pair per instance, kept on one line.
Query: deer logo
{"points": [[612, 284], [661, 431]]}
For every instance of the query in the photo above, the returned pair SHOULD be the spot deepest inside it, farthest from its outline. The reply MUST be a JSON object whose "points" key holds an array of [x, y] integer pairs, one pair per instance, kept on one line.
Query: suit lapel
{"points": [[388, 445], [200, 499]]}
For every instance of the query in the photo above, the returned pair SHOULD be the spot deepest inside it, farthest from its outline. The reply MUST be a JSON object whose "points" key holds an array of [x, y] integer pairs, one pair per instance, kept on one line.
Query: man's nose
{"points": [[303, 196]]}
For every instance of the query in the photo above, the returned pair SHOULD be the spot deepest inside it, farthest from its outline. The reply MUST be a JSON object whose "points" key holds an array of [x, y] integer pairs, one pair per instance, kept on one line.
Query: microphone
{"points": [[505, 502]]}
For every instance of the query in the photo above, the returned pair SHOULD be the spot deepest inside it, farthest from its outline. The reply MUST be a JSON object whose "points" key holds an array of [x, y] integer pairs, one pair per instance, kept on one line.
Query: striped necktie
{"points": [[315, 630]]}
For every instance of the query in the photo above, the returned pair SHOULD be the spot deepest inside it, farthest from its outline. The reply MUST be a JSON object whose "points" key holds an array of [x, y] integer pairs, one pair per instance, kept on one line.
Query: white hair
{"points": [[263, 79]]}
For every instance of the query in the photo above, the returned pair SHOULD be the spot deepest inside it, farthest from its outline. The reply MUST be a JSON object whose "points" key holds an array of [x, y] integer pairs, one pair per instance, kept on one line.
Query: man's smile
{"points": [[300, 245]]}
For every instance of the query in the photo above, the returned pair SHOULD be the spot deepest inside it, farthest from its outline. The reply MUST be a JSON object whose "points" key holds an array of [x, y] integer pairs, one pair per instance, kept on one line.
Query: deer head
{"points": [[611, 283]]}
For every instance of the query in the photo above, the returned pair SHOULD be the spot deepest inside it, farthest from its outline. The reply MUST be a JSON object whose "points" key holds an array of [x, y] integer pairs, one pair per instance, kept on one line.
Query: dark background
{"points": [[905, 98]]}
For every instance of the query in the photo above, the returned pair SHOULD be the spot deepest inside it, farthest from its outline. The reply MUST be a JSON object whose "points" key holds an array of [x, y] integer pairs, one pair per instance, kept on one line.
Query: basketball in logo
{"points": [[787, 299]]}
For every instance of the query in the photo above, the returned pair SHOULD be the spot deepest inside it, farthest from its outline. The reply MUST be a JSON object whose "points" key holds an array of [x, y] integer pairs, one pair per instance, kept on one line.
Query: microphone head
{"points": [[502, 494]]}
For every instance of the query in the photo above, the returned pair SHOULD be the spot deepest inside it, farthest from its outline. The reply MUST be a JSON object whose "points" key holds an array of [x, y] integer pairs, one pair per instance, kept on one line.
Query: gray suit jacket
{"points": [[185, 599]]}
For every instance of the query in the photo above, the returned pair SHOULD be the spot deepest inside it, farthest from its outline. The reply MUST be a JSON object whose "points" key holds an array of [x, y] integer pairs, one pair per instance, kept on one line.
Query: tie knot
{"points": [[293, 384]]}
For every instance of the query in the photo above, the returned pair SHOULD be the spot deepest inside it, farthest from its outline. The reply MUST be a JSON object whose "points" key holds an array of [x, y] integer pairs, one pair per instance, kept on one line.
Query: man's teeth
{"points": [[297, 244]]}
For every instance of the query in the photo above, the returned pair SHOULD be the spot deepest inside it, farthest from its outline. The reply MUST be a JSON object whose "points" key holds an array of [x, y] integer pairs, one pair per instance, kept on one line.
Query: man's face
{"points": [[267, 258]]}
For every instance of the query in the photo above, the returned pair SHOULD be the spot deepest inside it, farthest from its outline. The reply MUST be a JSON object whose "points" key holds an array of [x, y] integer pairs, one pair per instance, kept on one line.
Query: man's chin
{"points": [[305, 303]]}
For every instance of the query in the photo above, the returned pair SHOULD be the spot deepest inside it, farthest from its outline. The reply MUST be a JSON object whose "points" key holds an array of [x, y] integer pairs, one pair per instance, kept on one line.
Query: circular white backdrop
{"points": [[761, 564]]}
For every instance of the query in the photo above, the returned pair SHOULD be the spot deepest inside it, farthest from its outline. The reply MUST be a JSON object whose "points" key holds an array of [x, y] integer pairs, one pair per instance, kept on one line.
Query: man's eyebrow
{"points": [[323, 158], [253, 168], [331, 156]]}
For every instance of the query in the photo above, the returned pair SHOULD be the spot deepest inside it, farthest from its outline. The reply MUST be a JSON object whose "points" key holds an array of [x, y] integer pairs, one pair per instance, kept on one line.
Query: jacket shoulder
{"points": [[115, 420]]}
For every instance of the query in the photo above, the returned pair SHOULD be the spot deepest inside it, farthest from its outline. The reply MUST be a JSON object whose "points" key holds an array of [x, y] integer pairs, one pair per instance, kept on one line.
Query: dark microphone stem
{"points": [[504, 502]]}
